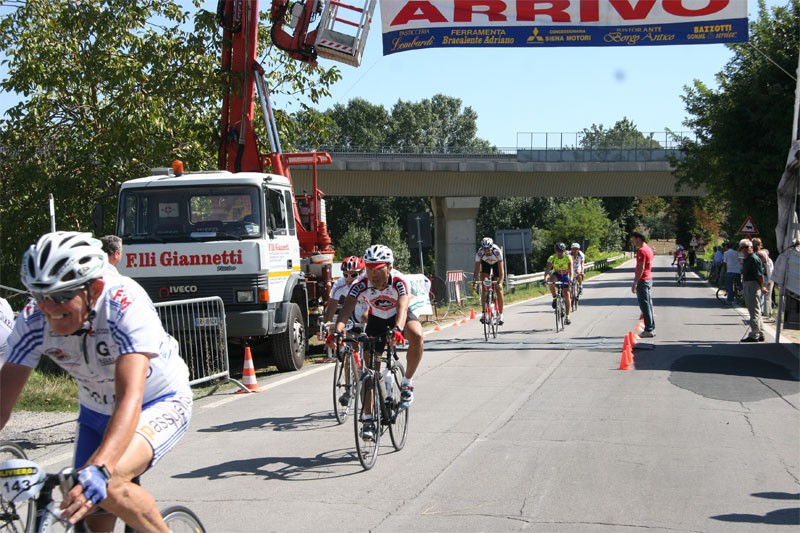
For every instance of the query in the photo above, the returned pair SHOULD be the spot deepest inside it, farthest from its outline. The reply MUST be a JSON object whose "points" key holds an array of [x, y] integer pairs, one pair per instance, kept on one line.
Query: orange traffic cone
{"points": [[437, 328], [627, 357], [464, 321], [455, 324], [248, 373], [634, 338], [472, 314], [639, 326]]}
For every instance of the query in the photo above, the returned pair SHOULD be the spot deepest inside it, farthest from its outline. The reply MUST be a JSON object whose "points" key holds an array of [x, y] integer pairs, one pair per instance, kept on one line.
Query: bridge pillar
{"points": [[455, 223]]}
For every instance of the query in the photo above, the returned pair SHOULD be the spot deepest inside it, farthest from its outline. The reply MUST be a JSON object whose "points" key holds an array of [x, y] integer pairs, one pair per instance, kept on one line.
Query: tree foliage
{"points": [[743, 128], [624, 135], [110, 89]]}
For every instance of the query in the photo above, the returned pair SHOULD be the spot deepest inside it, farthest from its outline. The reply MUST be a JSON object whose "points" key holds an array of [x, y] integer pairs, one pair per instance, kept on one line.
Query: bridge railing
{"points": [[538, 147]]}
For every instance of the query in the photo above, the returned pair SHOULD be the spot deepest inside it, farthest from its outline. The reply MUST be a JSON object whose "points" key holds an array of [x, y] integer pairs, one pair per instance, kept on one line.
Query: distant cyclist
{"points": [[579, 260], [563, 270], [133, 386], [679, 258], [489, 262], [388, 294]]}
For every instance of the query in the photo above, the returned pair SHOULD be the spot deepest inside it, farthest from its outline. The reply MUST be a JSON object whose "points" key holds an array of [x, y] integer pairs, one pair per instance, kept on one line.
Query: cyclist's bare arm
{"points": [[12, 380], [477, 273], [347, 311], [501, 275], [130, 374], [330, 310], [547, 270], [402, 311]]}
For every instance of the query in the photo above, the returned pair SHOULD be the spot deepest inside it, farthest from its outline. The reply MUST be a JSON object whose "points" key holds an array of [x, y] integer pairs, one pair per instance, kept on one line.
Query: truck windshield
{"points": [[182, 214]]}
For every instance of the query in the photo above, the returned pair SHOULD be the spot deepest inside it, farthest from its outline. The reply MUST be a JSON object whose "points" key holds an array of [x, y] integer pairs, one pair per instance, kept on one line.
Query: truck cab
{"points": [[218, 233]]}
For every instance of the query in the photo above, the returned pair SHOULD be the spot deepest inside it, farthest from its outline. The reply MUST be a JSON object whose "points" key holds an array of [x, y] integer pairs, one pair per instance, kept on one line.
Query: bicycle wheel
{"points": [[179, 519], [574, 297], [563, 305], [495, 316], [722, 294], [558, 314], [398, 423], [367, 449], [344, 376], [487, 315], [15, 516]]}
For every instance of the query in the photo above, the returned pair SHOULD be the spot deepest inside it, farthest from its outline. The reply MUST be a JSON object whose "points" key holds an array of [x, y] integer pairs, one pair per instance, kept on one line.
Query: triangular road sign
{"points": [[748, 228]]}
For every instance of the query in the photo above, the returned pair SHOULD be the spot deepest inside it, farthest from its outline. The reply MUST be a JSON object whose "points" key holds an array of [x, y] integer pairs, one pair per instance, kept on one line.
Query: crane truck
{"points": [[239, 232]]}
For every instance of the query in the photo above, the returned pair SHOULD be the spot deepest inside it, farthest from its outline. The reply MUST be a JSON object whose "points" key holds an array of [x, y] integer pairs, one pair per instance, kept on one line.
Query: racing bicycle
{"points": [[738, 291], [27, 502], [377, 395], [345, 373], [680, 274], [561, 304], [575, 295], [491, 315]]}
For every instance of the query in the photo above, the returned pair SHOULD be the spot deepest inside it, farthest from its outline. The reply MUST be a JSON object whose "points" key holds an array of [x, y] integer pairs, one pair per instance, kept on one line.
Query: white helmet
{"points": [[487, 242], [378, 253], [575, 245], [62, 260]]}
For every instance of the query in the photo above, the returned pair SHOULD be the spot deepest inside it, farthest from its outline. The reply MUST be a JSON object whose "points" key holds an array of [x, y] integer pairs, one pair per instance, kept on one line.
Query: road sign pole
{"points": [[419, 243]]}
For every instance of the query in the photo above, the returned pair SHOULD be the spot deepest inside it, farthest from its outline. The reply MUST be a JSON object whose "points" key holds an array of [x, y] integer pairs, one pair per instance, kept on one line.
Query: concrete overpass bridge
{"points": [[456, 180]]}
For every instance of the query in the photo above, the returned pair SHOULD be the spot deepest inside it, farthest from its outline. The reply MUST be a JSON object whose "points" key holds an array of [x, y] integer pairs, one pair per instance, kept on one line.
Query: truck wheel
{"points": [[289, 347]]}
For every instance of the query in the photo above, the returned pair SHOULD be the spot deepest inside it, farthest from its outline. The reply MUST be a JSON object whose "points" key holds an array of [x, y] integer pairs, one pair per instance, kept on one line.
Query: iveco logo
{"points": [[165, 292]]}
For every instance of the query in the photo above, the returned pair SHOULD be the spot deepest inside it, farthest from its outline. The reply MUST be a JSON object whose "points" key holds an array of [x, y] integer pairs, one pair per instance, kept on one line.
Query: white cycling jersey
{"points": [[579, 260], [494, 256], [382, 304], [6, 325], [340, 290], [125, 322]]}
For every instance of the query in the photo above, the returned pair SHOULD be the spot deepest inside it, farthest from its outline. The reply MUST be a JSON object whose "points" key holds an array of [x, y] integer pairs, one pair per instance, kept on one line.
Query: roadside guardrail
{"points": [[538, 277]]}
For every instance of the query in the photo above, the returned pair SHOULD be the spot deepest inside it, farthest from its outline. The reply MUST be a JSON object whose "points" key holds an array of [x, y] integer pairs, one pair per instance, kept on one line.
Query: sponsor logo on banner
{"points": [[415, 24], [420, 303]]}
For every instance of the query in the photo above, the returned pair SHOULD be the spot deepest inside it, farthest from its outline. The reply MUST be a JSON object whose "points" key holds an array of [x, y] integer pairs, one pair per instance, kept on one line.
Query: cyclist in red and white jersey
{"points": [[679, 258], [352, 268], [388, 295], [133, 386]]}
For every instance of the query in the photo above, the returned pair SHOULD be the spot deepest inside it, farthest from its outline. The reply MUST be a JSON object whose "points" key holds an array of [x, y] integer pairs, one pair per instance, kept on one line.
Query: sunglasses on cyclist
{"points": [[351, 274], [57, 297]]}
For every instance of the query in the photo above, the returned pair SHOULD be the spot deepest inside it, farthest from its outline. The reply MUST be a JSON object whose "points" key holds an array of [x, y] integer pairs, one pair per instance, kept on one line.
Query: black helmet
{"points": [[560, 247]]}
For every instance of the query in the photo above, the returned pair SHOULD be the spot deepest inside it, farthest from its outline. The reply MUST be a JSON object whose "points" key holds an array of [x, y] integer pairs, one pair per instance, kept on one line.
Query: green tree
{"points": [[578, 219], [111, 88], [354, 241], [743, 128], [624, 135], [389, 234]]}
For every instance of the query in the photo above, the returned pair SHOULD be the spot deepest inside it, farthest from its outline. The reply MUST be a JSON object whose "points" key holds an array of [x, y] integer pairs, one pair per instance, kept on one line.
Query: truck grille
{"points": [[167, 290]]}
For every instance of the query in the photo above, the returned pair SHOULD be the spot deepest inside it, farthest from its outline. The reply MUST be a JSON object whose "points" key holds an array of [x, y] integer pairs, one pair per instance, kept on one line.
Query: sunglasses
{"points": [[351, 274], [56, 297]]}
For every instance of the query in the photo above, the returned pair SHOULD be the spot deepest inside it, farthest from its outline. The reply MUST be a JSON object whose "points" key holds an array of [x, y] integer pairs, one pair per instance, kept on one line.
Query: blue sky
{"points": [[514, 91]]}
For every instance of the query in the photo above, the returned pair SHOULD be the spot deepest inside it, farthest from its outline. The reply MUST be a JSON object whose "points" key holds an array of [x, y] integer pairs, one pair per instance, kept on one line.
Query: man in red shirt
{"points": [[643, 283]]}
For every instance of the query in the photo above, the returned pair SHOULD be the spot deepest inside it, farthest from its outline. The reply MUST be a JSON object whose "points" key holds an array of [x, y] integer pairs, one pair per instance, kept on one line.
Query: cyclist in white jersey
{"points": [[388, 294], [489, 262], [133, 387], [578, 260], [6, 323]]}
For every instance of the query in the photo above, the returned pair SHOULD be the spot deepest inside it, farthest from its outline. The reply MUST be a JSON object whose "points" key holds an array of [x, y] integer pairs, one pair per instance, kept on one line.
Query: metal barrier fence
{"points": [[538, 277], [198, 324]]}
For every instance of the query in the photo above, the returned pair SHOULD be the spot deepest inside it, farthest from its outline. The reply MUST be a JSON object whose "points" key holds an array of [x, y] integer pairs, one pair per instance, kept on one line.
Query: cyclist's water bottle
{"points": [[386, 383]]}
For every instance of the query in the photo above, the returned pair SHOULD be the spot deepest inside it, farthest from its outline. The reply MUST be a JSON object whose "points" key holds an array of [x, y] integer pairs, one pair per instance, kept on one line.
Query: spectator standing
{"points": [[753, 287], [732, 269], [643, 283], [112, 246], [767, 265], [692, 257], [718, 255]]}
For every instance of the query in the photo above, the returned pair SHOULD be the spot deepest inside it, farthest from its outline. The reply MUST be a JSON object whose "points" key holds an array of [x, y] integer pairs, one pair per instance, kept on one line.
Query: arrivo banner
{"points": [[421, 24]]}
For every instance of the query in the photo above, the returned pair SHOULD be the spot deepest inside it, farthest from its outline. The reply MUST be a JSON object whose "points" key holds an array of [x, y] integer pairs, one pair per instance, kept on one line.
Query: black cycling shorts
{"points": [[377, 326], [492, 270]]}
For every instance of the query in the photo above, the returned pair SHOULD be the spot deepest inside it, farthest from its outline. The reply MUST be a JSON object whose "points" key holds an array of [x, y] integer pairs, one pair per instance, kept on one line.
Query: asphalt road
{"points": [[534, 431]]}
